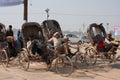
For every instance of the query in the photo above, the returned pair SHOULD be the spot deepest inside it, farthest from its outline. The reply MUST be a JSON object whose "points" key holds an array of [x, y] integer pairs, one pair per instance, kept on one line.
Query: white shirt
{"points": [[56, 42], [29, 44]]}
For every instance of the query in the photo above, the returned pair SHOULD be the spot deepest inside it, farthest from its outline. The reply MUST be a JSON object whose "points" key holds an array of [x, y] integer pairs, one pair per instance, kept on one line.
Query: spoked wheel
{"points": [[24, 60], [79, 60], [64, 65], [90, 56], [4, 58]]}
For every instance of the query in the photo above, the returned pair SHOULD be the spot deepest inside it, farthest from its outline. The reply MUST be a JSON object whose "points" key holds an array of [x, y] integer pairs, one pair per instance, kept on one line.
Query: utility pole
{"points": [[83, 28], [107, 26], [26, 10], [47, 11]]}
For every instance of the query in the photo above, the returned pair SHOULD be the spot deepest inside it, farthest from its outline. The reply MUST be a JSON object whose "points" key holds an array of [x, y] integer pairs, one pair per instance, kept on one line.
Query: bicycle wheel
{"points": [[79, 59], [64, 65], [4, 58], [24, 60], [90, 56]]}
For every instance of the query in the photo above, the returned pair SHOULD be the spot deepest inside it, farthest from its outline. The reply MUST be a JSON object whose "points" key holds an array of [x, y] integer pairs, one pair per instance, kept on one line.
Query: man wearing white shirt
{"points": [[57, 42]]}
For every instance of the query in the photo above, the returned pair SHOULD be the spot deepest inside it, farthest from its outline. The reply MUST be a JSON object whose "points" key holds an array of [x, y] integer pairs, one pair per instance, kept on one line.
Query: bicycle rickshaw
{"points": [[61, 62], [52, 26], [3, 46], [7, 51], [49, 28], [97, 35]]}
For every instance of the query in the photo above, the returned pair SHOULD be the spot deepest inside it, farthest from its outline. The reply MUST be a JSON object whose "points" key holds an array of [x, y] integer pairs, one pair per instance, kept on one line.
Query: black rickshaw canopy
{"points": [[50, 27], [96, 32]]}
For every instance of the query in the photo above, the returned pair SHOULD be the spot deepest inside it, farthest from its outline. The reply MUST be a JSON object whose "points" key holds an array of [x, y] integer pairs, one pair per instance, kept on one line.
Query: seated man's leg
{"points": [[44, 55], [34, 48], [40, 52]]}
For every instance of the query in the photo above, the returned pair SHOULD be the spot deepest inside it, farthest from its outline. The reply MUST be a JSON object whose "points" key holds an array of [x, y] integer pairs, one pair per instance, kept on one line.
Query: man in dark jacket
{"points": [[10, 31]]}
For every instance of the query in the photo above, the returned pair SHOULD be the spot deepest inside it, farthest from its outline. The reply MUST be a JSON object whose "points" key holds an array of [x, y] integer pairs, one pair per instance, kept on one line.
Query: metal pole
{"points": [[47, 11], [83, 28], [107, 27], [26, 10]]}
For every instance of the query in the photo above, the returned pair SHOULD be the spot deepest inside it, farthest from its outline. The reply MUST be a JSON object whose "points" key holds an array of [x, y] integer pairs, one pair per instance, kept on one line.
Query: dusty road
{"points": [[38, 71], [98, 72]]}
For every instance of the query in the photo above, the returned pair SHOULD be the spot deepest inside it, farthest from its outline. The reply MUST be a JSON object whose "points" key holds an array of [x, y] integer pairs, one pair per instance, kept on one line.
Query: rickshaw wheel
{"points": [[64, 65], [24, 60], [4, 58], [91, 56], [79, 59]]}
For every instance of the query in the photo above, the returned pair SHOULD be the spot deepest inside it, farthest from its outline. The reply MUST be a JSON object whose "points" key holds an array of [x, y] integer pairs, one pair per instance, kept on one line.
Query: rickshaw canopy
{"points": [[32, 29], [50, 27], [96, 32]]}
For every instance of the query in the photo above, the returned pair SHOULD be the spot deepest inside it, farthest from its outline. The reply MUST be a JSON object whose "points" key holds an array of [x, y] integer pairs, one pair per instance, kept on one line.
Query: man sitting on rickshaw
{"points": [[57, 42], [12, 44], [110, 42], [38, 46], [106, 44]]}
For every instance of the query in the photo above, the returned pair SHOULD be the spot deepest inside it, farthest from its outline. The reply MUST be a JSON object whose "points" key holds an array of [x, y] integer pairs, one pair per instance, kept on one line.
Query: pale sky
{"points": [[71, 14]]}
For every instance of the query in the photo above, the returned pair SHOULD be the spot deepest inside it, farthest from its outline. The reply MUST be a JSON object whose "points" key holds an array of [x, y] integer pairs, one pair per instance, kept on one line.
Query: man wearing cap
{"points": [[9, 32], [57, 42], [109, 38]]}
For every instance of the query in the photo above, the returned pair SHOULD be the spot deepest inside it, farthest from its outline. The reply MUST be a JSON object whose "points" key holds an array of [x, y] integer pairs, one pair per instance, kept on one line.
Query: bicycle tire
{"points": [[4, 58], [24, 60], [91, 56], [64, 66], [79, 59]]}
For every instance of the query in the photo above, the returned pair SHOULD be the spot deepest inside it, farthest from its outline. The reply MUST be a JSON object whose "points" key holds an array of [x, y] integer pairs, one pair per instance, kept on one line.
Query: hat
{"points": [[56, 33]]}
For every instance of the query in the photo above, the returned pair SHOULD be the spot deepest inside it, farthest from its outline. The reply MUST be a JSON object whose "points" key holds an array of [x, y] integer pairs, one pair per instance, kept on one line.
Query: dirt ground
{"points": [[38, 71]]}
